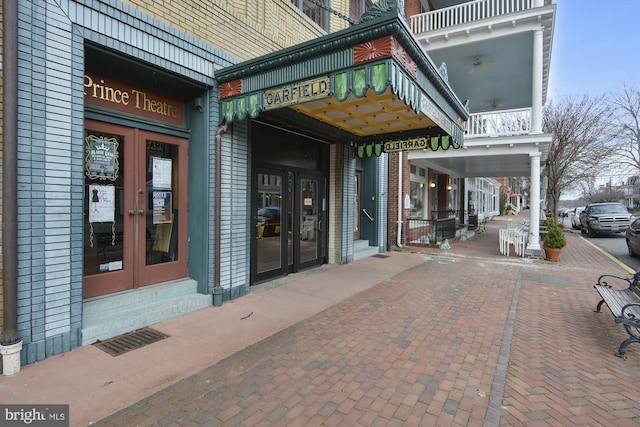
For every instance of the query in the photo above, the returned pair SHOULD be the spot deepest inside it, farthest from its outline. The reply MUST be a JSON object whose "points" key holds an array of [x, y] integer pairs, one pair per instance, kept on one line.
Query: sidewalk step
{"points": [[361, 250], [112, 315]]}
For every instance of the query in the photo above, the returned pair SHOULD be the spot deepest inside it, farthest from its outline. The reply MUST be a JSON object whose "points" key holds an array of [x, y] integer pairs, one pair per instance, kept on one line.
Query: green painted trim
{"points": [[360, 82], [254, 105], [342, 86], [434, 143], [242, 108], [388, 23], [379, 81]]}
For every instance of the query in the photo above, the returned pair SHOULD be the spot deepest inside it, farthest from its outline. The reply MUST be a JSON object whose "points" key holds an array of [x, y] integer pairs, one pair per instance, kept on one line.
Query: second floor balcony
{"points": [[468, 12], [499, 123]]}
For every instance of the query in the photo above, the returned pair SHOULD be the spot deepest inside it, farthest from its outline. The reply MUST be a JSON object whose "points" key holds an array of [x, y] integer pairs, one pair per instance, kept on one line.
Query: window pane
{"points": [[313, 11]]}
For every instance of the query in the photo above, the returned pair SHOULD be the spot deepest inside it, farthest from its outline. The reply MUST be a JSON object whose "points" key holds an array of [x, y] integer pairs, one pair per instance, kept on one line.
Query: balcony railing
{"points": [[468, 12], [501, 123]]}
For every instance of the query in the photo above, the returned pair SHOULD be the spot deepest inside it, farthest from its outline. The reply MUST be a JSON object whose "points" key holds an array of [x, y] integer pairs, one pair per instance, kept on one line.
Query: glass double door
{"points": [[288, 222], [135, 217]]}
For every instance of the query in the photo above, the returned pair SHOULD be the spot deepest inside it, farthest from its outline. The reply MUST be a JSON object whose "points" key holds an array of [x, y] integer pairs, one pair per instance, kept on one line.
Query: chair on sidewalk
{"points": [[516, 235], [482, 225]]}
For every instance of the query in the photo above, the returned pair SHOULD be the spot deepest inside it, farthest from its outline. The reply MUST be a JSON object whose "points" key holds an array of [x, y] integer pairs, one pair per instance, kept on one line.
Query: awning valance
{"points": [[356, 81], [423, 143]]}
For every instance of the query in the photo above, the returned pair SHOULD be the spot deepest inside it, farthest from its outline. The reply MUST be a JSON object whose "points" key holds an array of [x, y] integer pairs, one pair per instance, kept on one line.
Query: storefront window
{"points": [[417, 199]]}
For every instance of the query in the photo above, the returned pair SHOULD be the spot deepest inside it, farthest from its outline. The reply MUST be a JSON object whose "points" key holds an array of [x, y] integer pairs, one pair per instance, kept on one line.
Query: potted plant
{"points": [[433, 238], [554, 242]]}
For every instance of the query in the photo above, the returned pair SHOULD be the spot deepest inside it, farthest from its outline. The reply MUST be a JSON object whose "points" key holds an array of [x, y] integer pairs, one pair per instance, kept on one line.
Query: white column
{"points": [[534, 211], [536, 84]]}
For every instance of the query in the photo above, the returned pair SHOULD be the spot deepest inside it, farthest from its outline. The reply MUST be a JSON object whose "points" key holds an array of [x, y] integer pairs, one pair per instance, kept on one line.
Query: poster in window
{"points": [[102, 158], [162, 207], [101, 203], [161, 173]]}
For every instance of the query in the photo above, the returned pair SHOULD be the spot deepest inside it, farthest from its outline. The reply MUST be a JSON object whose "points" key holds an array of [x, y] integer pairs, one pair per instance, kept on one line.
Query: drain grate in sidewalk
{"points": [[130, 341], [380, 256]]}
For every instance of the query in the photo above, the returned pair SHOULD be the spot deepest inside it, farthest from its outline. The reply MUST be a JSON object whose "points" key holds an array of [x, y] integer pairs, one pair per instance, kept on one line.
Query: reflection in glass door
{"points": [[286, 204], [269, 228], [309, 220]]}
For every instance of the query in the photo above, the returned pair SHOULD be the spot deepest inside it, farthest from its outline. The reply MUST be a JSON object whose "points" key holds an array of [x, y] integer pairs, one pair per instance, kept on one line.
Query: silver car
{"points": [[632, 236], [575, 218]]}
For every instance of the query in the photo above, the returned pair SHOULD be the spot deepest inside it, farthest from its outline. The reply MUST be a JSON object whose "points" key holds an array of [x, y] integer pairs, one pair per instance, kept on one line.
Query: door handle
{"points": [[141, 212], [131, 212], [364, 211]]}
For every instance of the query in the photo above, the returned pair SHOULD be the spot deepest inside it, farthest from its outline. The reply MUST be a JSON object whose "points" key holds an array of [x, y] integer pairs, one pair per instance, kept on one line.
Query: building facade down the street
{"points": [[496, 56], [171, 155]]}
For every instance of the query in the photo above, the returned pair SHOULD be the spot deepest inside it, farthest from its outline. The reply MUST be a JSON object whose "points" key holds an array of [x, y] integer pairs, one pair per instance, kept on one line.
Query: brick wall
{"points": [[393, 195], [243, 28], [411, 7]]}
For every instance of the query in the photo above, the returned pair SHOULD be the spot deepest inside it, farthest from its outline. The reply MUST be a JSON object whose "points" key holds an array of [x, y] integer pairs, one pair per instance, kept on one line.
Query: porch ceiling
{"points": [[514, 165], [488, 157], [368, 116]]}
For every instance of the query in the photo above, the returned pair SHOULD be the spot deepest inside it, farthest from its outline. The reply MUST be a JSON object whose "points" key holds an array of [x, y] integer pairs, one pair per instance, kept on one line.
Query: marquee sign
{"points": [[299, 92]]}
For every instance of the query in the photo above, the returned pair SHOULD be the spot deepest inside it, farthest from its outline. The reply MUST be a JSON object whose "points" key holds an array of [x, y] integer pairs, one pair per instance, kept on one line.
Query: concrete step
{"points": [[361, 249], [112, 315]]}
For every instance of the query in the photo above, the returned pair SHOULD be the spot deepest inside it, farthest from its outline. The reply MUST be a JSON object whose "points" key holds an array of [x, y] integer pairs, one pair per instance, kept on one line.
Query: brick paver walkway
{"points": [[467, 338]]}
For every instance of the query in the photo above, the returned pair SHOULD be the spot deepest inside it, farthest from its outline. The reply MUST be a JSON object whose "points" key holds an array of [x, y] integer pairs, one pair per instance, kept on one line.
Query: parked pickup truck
{"points": [[604, 217]]}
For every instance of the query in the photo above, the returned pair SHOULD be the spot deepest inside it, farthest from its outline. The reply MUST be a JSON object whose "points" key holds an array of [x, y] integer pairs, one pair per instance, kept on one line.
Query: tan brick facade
{"points": [[240, 27]]}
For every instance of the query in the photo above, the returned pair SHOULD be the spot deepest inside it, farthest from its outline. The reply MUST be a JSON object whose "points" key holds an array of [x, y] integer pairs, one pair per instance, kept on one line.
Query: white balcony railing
{"points": [[501, 123], [468, 12]]}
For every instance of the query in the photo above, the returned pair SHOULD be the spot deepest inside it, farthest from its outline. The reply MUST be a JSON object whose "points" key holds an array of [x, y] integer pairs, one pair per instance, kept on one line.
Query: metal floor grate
{"points": [[130, 341], [380, 256]]}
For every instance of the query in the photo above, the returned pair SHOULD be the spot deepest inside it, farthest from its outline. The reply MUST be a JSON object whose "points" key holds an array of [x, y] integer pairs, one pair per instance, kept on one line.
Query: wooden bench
{"points": [[624, 305], [543, 231]]}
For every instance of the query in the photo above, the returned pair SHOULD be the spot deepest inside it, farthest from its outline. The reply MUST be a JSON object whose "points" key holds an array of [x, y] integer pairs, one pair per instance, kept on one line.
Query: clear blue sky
{"points": [[596, 47]]}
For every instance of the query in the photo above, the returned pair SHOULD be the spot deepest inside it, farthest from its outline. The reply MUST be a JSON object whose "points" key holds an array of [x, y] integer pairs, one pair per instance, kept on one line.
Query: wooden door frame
{"points": [[152, 274], [135, 273], [123, 279]]}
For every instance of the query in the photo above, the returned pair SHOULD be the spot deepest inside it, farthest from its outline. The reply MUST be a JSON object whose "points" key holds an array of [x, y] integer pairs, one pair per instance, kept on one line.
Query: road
{"points": [[613, 243]]}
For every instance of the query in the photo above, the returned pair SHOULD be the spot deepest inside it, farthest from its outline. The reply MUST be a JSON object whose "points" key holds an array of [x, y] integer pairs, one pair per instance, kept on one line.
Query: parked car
{"points": [[268, 221], [575, 218], [632, 236], [605, 217]]}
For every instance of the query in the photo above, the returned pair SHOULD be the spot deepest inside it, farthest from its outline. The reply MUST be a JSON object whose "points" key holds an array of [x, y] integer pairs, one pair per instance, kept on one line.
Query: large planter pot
{"points": [[552, 254]]}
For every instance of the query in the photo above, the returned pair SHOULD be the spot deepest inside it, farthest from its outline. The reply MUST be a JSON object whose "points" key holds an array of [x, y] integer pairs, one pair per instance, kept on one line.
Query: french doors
{"points": [[288, 222], [135, 218]]}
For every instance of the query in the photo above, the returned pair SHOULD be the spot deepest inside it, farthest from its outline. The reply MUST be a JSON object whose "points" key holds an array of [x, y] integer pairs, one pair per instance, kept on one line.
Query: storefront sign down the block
{"points": [[432, 143]]}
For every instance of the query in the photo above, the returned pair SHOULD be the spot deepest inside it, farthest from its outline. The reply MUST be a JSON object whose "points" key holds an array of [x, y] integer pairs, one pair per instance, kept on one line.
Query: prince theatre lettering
{"points": [[114, 94]]}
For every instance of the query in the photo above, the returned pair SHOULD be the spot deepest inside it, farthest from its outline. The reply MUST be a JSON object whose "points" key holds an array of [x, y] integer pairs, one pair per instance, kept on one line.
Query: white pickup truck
{"points": [[604, 217]]}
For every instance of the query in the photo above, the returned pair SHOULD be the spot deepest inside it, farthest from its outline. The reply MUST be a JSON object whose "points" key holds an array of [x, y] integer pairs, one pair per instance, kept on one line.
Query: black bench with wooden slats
{"points": [[624, 305]]}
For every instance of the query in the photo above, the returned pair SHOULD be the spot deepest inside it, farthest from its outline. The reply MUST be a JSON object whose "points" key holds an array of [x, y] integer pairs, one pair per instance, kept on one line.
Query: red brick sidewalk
{"points": [[467, 338]]}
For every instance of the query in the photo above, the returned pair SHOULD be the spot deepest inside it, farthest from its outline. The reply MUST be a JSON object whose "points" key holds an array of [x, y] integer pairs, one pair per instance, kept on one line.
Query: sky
{"points": [[596, 47]]}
